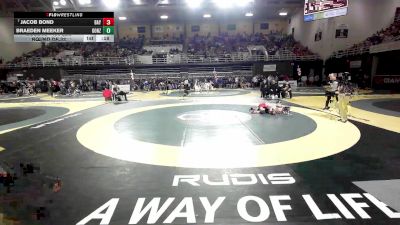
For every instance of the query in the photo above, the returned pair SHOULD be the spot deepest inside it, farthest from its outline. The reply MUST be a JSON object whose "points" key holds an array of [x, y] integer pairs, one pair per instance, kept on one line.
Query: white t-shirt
{"points": [[333, 86]]}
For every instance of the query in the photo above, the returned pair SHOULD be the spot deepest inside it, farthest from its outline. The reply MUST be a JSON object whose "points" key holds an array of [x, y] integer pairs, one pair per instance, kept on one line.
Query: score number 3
{"points": [[108, 21]]}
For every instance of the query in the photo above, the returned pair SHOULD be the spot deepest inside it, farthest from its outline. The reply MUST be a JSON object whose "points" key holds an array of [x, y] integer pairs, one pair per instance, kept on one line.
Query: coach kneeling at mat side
{"points": [[274, 89], [331, 90], [270, 91], [286, 90], [117, 93]]}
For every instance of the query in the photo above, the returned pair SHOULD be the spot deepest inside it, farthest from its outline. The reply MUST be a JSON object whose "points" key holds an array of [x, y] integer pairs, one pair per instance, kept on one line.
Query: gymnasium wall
{"points": [[364, 18], [9, 49], [167, 29], [132, 30], [272, 25], [240, 27], [205, 29]]}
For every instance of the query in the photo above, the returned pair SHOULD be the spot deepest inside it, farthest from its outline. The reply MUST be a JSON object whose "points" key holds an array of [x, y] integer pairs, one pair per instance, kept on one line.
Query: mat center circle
{"points": [[213, 117], [211, 126]]}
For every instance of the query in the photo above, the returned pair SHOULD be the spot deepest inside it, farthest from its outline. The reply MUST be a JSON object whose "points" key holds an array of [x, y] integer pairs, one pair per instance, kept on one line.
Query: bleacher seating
{"points": [[390, 34], [200, 49]]}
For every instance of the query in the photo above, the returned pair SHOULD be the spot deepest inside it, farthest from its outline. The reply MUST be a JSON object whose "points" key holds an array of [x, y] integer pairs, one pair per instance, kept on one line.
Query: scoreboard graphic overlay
{"points": [[64, 27], [323, 9]]}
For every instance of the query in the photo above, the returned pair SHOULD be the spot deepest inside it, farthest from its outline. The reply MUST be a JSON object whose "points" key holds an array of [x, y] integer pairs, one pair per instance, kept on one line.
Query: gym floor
{"points": [[202, 159]]}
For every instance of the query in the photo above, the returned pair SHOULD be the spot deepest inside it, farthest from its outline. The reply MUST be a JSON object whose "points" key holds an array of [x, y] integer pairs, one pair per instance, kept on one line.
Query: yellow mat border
{"points": [[100, 136]]}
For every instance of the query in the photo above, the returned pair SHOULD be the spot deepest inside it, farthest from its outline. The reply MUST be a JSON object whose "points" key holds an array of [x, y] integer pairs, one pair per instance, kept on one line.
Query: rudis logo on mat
{"points": [[345, 206], [234, 179]]}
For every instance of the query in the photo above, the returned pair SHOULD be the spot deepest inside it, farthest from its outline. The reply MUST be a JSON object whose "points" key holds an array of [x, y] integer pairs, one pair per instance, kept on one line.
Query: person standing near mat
{"points": [[345, 90], [263, 86], [331, 90], [108, 95], [186, 88]]}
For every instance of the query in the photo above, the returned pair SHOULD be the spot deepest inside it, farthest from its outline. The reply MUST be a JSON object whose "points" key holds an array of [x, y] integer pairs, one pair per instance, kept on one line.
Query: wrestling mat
{"points": [[161, 159]]}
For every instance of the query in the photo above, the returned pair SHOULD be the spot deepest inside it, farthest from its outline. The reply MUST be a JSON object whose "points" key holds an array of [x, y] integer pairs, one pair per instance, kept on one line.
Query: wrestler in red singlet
{"points": [[263, 105]]}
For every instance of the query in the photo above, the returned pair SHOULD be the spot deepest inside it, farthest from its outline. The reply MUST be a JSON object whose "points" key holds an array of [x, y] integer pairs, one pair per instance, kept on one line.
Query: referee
{"points": [[331, 90]]}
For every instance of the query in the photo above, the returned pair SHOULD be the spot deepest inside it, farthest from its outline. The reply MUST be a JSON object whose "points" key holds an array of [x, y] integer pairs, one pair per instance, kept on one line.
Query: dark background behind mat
{"points": [[389, 63], [290, 68]]}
